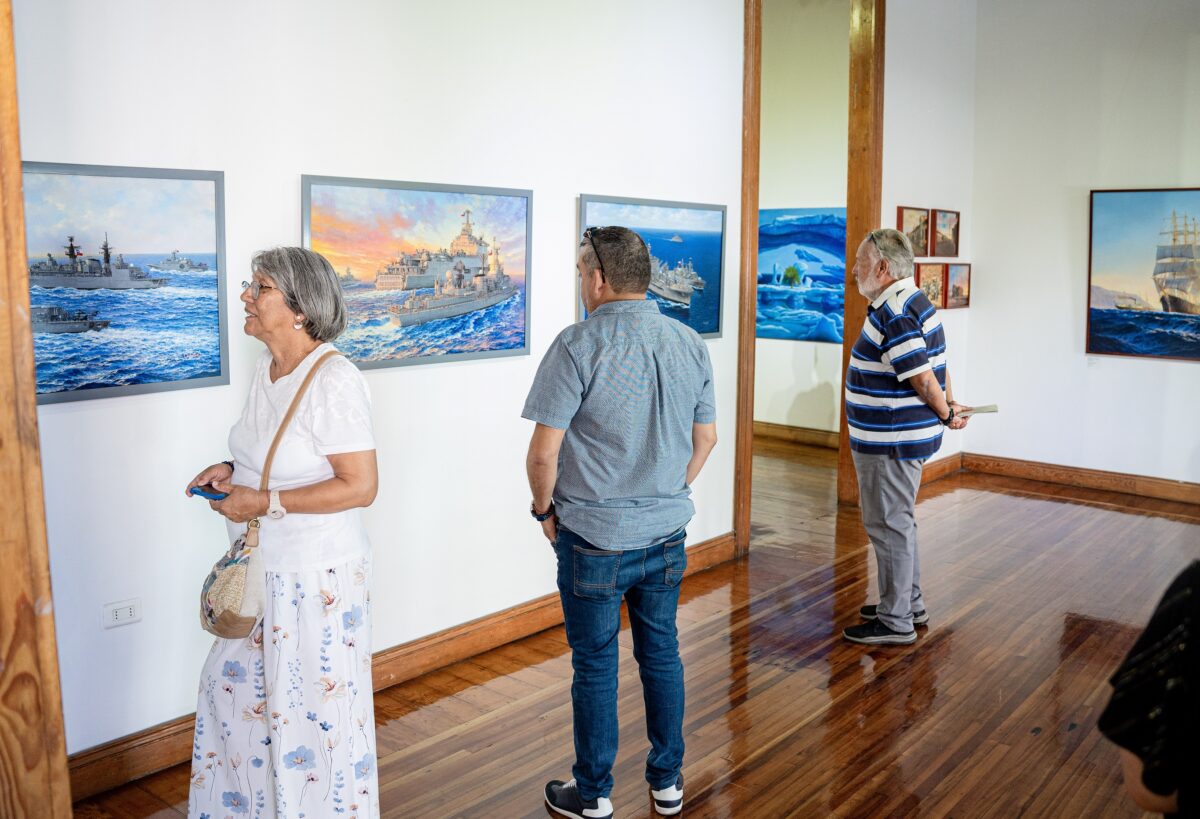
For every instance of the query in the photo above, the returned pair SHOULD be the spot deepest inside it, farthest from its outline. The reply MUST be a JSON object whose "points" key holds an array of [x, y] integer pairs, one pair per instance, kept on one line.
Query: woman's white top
{"points": [[334, 416]]}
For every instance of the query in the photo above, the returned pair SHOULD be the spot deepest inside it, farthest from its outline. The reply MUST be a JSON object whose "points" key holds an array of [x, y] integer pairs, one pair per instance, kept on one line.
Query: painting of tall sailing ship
{"points": [[429, 272], [1144, 282], [687, 247], [116, 309]]}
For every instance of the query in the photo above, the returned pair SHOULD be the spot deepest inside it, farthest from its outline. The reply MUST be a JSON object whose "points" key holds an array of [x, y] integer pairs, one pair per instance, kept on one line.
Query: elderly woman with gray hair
{"points": [[285, 723]]}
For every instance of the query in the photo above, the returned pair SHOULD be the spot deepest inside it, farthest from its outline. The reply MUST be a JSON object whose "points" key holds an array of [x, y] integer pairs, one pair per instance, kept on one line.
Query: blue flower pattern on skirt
{"points": [[285, 720]]}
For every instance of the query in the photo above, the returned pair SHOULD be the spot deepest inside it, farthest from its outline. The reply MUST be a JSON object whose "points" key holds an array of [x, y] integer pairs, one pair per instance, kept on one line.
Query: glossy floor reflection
{"points": [[1035, 592]]}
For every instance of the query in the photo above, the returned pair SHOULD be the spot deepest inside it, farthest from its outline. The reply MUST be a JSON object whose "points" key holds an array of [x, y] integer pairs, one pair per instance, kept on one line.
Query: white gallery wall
{"points": [[802, 164], [929, 154], [541, 94], [1075, 95]]}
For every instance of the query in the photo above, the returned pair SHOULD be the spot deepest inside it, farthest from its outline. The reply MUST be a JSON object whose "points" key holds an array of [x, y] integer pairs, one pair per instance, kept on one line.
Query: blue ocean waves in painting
{"points": [[1144, 332], [801, 274], [372, 335], [703, 314], [169, 333]]}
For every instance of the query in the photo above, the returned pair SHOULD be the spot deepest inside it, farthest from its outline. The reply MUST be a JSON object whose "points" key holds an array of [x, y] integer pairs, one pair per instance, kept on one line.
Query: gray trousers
{"points": [[887, 495]]}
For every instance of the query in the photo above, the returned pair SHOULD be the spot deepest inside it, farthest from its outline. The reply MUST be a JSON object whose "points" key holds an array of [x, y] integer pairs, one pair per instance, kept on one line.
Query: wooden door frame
{"points": [[864, 194], [34, 781]]}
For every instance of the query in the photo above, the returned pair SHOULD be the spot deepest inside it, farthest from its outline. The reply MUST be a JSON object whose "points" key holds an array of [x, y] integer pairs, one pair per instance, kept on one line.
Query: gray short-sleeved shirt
{"points": [[626, 384]]}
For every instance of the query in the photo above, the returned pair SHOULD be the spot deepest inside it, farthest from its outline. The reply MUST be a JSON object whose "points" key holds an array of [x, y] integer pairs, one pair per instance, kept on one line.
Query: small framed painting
{"points": [[931, 278], [945, 233], [914, 223], [958, 285]]}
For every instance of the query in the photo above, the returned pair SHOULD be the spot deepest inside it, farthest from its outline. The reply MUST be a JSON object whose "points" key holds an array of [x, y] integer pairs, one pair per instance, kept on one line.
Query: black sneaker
{"points": [[920, 618], [669, 800], [563, 798], [875, 633]]}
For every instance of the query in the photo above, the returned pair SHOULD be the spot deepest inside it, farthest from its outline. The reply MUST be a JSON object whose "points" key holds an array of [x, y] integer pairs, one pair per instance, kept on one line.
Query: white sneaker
{"points": [[669, 801]]}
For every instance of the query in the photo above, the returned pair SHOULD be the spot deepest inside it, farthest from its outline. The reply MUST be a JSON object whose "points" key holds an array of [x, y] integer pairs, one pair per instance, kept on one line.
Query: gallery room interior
{"points": [[446, 159]]}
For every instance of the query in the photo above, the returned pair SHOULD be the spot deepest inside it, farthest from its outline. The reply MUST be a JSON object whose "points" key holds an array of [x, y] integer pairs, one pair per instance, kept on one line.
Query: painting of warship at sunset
{"points": [[429, 272]]}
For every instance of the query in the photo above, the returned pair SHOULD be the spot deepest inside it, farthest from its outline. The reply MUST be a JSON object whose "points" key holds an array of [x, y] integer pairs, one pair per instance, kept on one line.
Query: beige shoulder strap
{"points": [[287, 419]]}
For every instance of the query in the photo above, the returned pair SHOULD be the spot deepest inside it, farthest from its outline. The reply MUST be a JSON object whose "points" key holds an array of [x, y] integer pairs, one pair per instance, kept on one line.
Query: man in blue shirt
{"points": [[625, 419], [898, 400]]}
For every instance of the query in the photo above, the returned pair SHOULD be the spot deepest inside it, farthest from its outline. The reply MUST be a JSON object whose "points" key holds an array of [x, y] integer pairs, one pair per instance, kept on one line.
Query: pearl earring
{"points": [[299, 325]]}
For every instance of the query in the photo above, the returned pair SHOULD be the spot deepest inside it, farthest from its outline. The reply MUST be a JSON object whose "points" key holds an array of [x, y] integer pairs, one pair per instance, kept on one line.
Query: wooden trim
{"points": [[131, 757], [864, 193], [128, 758], [941, 468], [1142, 485], [748, 279], [796, 435], [33, 773]]}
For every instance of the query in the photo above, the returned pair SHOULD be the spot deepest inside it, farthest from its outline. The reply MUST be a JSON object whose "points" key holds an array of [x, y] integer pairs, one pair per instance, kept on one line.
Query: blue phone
{"points": [[209, 493]]}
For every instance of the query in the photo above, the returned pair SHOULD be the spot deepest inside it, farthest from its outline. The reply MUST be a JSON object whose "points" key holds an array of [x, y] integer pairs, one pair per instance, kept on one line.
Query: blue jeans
{"points": [[591, 583]]}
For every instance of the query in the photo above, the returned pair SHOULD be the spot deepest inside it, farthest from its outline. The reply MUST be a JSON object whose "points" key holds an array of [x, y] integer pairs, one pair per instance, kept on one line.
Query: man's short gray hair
{"points": [[309, 286], [621, 255], [896, 248]]}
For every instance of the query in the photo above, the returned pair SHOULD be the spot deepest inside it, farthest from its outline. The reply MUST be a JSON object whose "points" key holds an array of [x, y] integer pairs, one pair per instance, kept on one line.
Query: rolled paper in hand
{"points": [[976, 410]]}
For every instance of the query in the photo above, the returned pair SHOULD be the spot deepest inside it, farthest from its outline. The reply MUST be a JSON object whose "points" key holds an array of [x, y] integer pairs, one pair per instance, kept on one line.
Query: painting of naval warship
{"points": [[686, 243], [115, 309], [450, 267], [1144, 278], [180, 263], [58, 320]]}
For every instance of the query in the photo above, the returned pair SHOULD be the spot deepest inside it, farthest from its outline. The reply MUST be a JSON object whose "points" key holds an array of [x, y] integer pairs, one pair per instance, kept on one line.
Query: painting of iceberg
{"points": [[801, 274]]}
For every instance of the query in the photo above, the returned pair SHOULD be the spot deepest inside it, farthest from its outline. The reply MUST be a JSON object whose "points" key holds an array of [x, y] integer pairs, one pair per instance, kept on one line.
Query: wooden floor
{"points": [[1034, 591]]}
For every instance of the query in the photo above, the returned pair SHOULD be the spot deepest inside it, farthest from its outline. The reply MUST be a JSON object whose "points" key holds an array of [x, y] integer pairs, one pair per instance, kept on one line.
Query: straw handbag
{"points": [[231, 599]]}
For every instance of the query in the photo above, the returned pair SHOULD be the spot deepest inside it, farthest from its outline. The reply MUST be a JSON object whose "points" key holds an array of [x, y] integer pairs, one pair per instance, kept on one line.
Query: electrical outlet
{"points": [[121, 614]]}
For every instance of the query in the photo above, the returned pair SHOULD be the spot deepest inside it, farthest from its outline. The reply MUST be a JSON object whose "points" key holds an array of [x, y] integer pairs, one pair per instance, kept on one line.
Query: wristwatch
{"points": [[946, 421], [275, 511], [549, 513]]}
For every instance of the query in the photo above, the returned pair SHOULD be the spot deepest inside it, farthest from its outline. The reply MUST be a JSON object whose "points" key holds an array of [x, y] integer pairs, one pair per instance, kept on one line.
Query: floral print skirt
{"points": [[285, 720]]}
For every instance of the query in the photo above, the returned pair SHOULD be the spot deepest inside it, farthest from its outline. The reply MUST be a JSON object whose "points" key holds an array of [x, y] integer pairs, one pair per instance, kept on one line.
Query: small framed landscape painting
{"points": [[945, 233], [958, 285], [914, 223], [430, 272], [801, 274], [931, 278], [687, 253], [126, 279], [1144, 273]]}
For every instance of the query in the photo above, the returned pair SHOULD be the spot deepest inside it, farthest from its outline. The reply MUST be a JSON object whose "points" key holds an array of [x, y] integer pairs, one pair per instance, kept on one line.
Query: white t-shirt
{"points": [[333, 417]]}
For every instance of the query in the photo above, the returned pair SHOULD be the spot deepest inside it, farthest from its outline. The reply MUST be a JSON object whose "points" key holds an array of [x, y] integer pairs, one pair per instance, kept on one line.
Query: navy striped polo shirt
{"points": [[901, 337]]}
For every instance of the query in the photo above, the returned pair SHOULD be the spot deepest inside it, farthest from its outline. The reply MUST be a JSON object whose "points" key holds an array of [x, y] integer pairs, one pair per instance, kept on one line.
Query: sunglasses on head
{"points": [[589, 234]]}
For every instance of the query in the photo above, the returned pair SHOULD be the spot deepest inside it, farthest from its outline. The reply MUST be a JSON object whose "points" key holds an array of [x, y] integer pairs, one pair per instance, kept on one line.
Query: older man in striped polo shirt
{"points": [[898, 401]]}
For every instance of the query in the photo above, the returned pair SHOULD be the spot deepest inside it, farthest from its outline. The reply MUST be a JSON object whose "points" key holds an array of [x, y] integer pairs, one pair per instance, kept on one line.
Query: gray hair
{"points": [[309, 286], [896, 248], [621, 255]]}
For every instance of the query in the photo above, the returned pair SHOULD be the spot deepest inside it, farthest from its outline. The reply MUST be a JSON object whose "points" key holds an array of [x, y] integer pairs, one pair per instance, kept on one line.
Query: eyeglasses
{"points": [[588, 234], [256, 288], [874, 241]]}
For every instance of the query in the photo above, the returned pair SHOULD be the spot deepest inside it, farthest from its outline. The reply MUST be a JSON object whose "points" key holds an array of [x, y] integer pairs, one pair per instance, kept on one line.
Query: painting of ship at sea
{"points": [[1177, 267], [86, 273], [468, 276]]}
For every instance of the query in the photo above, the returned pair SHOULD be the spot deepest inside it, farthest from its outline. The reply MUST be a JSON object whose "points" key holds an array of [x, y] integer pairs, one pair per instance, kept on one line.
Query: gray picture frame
{"points": [[307, 181], [123, 171], [587, 198]]}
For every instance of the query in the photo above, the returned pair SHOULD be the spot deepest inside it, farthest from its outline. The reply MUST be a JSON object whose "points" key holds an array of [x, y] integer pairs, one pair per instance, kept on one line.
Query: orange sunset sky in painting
{"points": [[364, 228]]}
